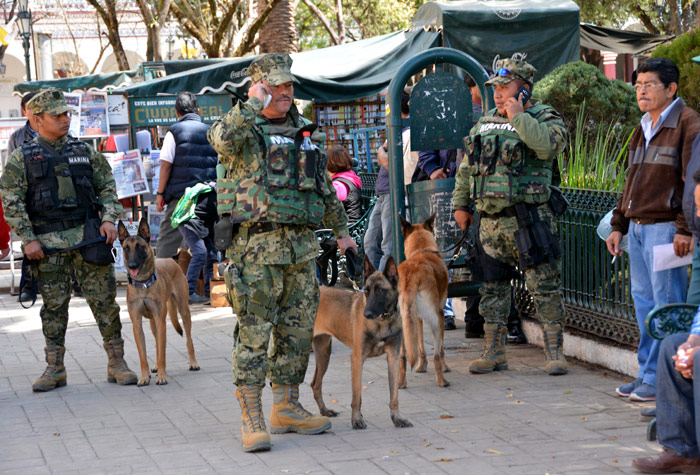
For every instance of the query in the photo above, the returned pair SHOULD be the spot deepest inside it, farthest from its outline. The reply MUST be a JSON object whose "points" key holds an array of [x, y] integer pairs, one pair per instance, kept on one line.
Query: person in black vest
{"points": [[186, 159], [346, 182]]}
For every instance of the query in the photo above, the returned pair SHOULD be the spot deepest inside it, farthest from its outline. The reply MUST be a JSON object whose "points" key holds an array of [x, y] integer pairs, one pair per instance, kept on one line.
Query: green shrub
{"points": [[681, 51], [600, 115], [607, 101]]}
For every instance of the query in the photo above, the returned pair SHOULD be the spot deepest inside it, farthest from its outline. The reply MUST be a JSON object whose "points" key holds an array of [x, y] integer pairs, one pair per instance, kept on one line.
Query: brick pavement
{"points": [[516, 422]]}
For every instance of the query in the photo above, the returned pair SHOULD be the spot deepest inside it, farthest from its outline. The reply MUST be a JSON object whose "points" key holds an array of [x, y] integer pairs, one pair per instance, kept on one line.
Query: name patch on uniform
{"points": [[280, 139], [79, 160], [491, 126]]}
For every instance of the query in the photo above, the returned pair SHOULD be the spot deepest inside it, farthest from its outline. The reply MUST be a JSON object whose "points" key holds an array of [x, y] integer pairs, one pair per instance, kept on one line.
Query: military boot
{"points": [[55, 373], [117, 370], [288, 415], [494, 356], [553, 351], [254, 435]]}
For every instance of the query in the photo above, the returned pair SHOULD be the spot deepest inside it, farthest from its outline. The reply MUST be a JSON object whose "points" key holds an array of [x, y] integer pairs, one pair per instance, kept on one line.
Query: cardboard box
{"points": [[219, 296]]}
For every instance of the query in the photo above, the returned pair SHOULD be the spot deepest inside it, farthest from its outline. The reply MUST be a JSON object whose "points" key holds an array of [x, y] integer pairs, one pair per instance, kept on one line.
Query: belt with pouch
{"points": [[508, 212], [46, 228]]}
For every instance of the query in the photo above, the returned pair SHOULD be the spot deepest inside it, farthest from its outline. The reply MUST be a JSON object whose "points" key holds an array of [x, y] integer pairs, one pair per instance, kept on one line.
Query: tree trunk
{"points": [[154, 16], [279, 33], [646, 21], [697, 16], [111, 20], [340, 20], [676, 27]]}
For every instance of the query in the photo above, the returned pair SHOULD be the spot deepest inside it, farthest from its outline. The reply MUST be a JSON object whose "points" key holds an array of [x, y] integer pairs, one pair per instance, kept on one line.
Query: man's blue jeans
{"points": [[378, 245], [677, 410], [650, 289], [203, 253]]}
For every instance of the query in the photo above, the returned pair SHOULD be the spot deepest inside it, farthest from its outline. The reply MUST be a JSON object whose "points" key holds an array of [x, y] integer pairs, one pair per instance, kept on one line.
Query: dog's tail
{"points": [[172, 311], [409, 322]]}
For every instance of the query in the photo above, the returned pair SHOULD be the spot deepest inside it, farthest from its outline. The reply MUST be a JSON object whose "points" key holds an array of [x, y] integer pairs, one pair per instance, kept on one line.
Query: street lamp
{"points": [[25, 26], [170, 40]]}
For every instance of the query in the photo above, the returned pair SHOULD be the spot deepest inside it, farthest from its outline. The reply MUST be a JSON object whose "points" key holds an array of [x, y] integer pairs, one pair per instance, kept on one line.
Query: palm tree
{"points": [[279, 33]]}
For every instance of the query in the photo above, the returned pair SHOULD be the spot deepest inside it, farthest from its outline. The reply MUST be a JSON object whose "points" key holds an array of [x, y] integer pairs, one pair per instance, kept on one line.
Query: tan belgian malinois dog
{"points": [[368, 322], [156, 287], [423, 279]]}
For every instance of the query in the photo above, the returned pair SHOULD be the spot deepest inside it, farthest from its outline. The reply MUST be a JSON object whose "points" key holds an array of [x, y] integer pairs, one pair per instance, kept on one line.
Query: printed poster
{"points": [[133, 228], [155, 217], [94, 119], [155, 169], [73, 100], [129, 174]]}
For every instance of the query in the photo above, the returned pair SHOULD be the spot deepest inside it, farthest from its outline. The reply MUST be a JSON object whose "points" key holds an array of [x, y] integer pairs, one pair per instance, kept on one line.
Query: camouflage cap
{"points": [[50, 101], [506, 70], [275, 68]]}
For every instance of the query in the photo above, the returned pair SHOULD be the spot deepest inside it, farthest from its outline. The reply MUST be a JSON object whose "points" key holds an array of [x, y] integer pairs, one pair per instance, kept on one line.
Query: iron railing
{"points": [[596, 293]]}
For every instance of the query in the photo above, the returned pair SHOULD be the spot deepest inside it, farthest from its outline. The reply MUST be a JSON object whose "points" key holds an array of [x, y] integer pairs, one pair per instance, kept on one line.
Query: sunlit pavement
{"points": [[520, 421]]}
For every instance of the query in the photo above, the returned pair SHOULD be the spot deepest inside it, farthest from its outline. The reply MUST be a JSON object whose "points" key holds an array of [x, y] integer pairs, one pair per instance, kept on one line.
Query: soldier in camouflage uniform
{"points": [[508, 167], [274, 194], [48, 188]]}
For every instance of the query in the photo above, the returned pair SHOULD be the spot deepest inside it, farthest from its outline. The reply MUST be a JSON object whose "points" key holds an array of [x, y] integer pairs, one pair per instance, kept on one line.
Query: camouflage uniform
{"points": [[272, 282], [54, 272], [541, 130]]}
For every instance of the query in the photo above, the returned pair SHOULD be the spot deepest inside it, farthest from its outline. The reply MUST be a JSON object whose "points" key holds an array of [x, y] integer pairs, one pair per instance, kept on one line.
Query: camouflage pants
{"points": [[99, 288], [498, 239], [278, 301]]}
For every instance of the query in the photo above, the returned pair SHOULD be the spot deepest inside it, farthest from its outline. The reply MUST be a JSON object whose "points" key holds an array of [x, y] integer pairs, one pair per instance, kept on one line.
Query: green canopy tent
{"points": [[619, 41], [546, 32], [86, 83], [344, 72]]}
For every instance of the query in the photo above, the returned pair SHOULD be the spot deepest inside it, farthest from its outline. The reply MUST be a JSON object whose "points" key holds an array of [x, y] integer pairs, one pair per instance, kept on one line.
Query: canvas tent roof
{"points": [[88, 82], [546, 31], [344, 72], [619, 41]]}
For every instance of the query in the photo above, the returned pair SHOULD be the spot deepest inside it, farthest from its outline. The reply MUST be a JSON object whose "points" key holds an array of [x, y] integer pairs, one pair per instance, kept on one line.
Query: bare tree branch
{"points": [[324, 21], [251, 29]]}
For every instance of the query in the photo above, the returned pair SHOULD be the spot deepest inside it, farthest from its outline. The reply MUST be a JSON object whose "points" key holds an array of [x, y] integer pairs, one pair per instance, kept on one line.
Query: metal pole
{"points": [[25, 43], [394, 122]]}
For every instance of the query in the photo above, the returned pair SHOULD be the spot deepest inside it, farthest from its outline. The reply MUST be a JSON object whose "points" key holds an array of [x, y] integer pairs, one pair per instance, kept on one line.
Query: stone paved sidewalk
{"points": [[516, 422]]}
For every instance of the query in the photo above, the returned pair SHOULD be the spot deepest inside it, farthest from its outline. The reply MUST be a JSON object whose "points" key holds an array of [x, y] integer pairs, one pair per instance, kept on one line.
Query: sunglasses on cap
{"points": [[505, 72]]}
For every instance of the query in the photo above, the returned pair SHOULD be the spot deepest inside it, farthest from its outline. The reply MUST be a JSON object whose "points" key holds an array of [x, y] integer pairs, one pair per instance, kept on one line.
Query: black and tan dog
{"points": [[372, 328], [156, 287]]}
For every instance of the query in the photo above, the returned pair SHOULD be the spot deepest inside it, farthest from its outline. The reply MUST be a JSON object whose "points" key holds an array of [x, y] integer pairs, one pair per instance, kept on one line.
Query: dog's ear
{"points": [[144, 230], [405, 226], [122, 232], [367, 268], [429, 223], [391, 272]]}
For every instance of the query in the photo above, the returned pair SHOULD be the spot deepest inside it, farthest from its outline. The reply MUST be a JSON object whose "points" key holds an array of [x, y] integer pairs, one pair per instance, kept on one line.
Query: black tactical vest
{"points": [[59, 185]]}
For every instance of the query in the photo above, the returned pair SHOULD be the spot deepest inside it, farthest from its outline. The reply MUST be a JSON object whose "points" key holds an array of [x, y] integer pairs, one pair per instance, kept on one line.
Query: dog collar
{"points": [[389, 313], [143, 284]]}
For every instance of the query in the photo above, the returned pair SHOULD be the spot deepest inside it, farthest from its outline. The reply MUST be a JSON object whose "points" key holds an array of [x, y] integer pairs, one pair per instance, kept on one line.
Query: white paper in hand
{"points": [[665, 258]]}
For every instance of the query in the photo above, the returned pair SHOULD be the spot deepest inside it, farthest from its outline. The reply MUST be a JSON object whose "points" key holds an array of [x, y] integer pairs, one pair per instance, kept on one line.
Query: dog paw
{"points": [[194, 367], [329, 412], [144, 381], [402, 385], [445, 369], [154, 369], [359, 424], [161, 380], [443, 383], [400, 422], [422, 367]]}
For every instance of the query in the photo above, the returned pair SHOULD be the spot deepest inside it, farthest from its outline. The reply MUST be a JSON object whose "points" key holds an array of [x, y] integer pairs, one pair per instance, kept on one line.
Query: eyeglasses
{"points": [[505, 72], [651, 85]]}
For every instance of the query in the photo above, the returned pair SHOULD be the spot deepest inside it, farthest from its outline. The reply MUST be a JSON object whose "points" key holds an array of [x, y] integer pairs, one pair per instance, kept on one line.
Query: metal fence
{"points": [[597, 294]]}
